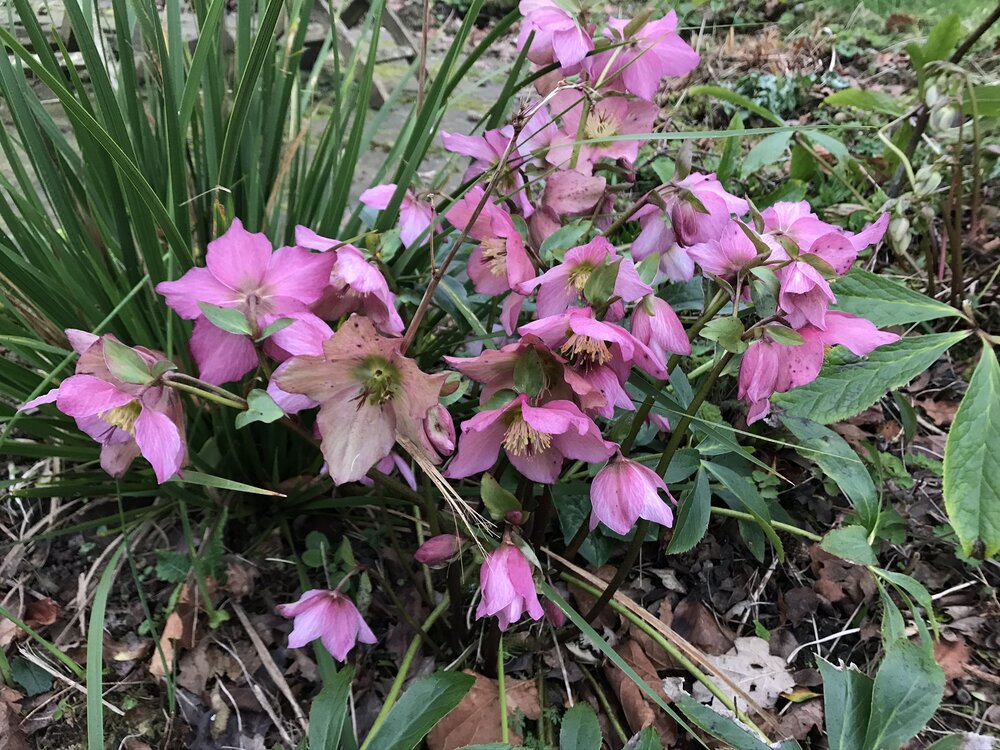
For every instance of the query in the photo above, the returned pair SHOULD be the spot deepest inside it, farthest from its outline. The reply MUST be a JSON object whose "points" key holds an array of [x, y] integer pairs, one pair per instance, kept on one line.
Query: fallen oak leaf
{"points": [[476, 719], [751, 666]]}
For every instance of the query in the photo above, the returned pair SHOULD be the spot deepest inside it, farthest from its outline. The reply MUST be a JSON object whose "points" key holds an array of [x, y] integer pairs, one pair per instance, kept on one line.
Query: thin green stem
{"points": [[699, 398], [786, 527], [230, 402], [206, 597], [404, 668], [502, 691], [623, 569]]}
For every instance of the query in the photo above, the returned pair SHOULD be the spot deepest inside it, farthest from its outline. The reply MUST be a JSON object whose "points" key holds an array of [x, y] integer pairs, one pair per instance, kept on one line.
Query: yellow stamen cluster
{"points": [[600, 126], [585, 350], [123, 416], [495, 255], [522, 439], [580, 274]]}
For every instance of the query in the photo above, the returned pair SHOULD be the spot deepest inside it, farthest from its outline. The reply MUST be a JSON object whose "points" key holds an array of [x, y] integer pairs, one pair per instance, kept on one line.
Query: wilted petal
{"points": [[160, 443], [85, 395]]}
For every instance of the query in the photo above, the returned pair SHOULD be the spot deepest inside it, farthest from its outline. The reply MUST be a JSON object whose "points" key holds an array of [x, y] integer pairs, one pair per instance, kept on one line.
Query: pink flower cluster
{"points": [[575, 324]]}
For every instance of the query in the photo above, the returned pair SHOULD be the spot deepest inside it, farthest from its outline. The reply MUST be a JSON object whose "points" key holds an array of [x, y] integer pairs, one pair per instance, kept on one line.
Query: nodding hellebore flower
{"points": [[508, 588], [242, 272], [115, 398], [329, 616], [557, 34], [371, 396], [438, 549], [769, 367], [625, 491], [414, 215], [535, 438]]}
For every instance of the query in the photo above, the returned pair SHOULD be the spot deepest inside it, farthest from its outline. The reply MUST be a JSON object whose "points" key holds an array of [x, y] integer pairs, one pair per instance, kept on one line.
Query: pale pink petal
{"points": [[197, 285], [305, 237], [239, 258], [81, 341], [378, 197], [85, 395], [299, 274], [356, 435], [160, 443], [222, 357], [468, 145], [45, 398], [858, 335]]}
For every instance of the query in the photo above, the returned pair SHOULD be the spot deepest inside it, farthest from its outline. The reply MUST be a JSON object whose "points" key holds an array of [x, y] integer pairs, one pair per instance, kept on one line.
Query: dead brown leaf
{"points": [[178, 631], [11, 735], [799, 720], [839, 580], [240, 579], [42, 612], [639, 711], [953, 656], [798, 604], [476, 719], [694, 622], [942, 413]]}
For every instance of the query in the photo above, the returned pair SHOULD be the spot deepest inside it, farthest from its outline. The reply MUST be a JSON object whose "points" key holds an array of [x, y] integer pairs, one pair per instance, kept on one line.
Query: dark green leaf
{"points": [[885, 302], [30, 676], [772, 149], [601, 282], [580, 729], [329, 711], [748, 496], [972, 461], [693, 512], [171, 566], [850, 543], [529, 374], [719, 726], [847, 705], [848, 385], [868, 100], [837, 460], [908, 688], [424, 704]]}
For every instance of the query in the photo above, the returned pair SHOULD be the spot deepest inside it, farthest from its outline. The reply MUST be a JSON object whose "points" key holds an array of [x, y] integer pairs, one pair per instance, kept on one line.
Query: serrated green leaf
{"points": [[885, 302], [125, 363], [226, 318], [972, 463], [831, 453], [850, 543], [580, 729], [848, 385], [693, 512], [847, 705], [908, 688], [171, 566], [427, 701]]}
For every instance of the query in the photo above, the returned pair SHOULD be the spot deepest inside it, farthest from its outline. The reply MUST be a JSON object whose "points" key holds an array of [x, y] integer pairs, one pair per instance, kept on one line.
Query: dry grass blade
{"points": [[690, 651], [41, 663]]}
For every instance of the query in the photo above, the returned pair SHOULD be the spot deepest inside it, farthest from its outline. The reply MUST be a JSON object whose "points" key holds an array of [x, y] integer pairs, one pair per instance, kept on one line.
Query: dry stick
{"points": [[923, 111], [425, 301], [675, 440], [270, 667]]}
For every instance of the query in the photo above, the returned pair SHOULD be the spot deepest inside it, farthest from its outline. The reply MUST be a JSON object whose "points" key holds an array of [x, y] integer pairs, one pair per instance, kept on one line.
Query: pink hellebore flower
{"points": [[768, 367], [625, 491], [804, 295], [508, 589], [588, 342], [438, 549], [127, 419], [329, 616], [653, 53], [837, 247], [499, 263], [495, 369], [370, 396], [726, 256], [486, 151], [608, 117], [558, 35], [692, 194], [242, 272], [655, 324], [355, 285], [562, 285], [414, 215], [535, 438], [656, 236]]}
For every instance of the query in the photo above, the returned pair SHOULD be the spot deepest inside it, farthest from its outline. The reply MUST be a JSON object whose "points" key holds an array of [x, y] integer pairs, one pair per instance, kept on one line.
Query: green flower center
{"points": [[379, 379]]}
